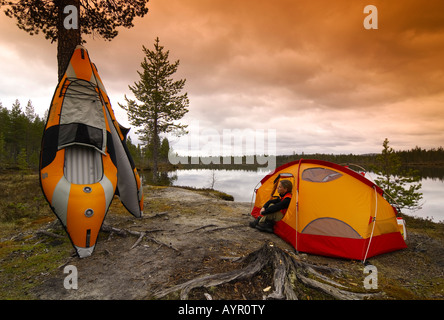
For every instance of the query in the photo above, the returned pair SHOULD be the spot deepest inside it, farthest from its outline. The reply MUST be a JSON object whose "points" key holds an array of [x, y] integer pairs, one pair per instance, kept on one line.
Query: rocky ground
{"points": [[191, 234], [185, 235]]}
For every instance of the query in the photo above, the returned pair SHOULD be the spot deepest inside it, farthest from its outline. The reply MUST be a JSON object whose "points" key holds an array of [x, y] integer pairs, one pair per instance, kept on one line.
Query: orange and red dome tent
{"points": [[334, 211]]}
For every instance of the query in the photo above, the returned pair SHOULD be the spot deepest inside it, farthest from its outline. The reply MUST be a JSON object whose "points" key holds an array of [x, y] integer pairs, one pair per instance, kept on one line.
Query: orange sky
{"points": [[306, 68]]}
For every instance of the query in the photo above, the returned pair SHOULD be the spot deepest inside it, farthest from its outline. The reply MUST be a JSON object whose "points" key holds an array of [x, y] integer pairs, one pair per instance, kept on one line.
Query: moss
{"points": [[157, 205], [24, 265], [24, 258], [21, 198]]}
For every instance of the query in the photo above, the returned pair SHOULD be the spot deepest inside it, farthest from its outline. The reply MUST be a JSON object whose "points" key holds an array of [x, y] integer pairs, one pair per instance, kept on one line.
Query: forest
{"points": [[416, 156], [21, 130]]}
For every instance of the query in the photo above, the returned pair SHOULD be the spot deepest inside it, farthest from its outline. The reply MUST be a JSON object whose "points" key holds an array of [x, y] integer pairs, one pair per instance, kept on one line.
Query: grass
{"points": [[432, 229], [25, 259], [21, 198], [25, 264]]}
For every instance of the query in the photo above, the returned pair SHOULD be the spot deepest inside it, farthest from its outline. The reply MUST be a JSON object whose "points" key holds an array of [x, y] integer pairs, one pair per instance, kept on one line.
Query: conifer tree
{"points": [[98, 17], [20, 136], [164, 149], [2, 151], [30, 112], [401, 186], [159, 103], [16, 128], [22, 162]]}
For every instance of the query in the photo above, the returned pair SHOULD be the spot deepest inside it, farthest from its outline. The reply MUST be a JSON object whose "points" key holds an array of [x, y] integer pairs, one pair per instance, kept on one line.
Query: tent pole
{"points": [[374, 223], [253, 196], [297, 207]]}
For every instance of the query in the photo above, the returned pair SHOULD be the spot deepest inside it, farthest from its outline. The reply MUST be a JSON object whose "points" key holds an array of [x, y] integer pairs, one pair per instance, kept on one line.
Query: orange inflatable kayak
{"points": [[84, 160]]}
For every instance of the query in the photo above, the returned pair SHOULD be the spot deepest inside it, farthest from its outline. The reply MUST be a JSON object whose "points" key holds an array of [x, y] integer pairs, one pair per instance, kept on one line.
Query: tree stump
{"points": [[289, 274]]}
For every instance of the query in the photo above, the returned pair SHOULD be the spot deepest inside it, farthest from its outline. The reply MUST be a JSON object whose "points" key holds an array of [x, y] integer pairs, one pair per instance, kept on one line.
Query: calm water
{"points": [[241, 184]]}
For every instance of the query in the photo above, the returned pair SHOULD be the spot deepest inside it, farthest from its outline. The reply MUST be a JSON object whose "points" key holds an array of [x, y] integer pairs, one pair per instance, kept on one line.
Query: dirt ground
{"points": [[192, 234]]}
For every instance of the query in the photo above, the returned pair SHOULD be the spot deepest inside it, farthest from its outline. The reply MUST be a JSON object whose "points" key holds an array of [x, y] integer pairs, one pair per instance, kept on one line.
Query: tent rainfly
{"points": [[334, 211]]}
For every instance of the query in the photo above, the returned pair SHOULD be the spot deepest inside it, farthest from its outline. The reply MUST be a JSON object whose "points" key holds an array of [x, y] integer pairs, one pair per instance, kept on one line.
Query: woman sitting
{"points": [[275, 209]]}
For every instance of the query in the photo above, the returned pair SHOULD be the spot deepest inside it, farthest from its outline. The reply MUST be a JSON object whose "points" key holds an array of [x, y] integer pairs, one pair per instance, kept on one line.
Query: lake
{"points": [[241, 184]]}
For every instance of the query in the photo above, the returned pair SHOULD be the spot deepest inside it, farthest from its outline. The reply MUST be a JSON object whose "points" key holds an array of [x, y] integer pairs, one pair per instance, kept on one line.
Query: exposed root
{"points": [[142, 234], [139, 234], [216, 228], [49, 234], [290, 275]]}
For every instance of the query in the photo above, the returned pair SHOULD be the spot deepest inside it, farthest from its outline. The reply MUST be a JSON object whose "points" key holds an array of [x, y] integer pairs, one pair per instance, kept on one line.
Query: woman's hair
{"points": [[287, 185]]}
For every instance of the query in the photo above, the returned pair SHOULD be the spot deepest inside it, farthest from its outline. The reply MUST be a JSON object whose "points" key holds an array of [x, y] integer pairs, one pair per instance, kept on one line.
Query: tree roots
{"points": [[290, 275], [139, 234]]}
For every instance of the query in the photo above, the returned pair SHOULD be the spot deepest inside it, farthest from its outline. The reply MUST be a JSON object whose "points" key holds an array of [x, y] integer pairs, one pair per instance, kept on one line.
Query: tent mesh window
{"points": [[79, 133], [320, 175]]}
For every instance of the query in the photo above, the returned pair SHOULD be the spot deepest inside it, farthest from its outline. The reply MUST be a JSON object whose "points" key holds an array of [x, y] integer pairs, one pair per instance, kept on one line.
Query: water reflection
{"points": [[163, 178], [238, 183], [434, 173], [433, 207]]}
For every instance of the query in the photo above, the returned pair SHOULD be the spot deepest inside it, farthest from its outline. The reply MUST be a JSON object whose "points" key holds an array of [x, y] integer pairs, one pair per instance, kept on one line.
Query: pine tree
{"points": [[30, 112], [401, 186], [16, 129], [134, 151], [160, 103], [98, 17], [22, 162], [164, 150], [20, 136], [2, 151]]}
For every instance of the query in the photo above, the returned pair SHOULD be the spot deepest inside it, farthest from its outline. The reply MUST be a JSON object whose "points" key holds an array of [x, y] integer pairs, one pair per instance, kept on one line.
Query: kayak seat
{"points": [[83, 165]]}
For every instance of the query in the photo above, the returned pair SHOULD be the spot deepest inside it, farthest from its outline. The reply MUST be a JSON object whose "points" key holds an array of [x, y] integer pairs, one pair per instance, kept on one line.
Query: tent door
{"points": [[281, 176]]}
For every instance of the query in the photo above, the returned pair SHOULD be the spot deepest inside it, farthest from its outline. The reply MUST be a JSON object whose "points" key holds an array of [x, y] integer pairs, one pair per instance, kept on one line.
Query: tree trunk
{"points": [[156, 149], [67, 39], [290, 276]]}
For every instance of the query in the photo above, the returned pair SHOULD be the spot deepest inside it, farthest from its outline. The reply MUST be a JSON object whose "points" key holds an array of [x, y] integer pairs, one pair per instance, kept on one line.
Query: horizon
{"points": [[433, 149]]}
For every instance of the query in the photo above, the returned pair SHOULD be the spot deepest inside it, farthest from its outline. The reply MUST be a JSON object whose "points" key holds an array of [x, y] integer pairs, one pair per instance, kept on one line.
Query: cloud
{"points": [[307, 69]]}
